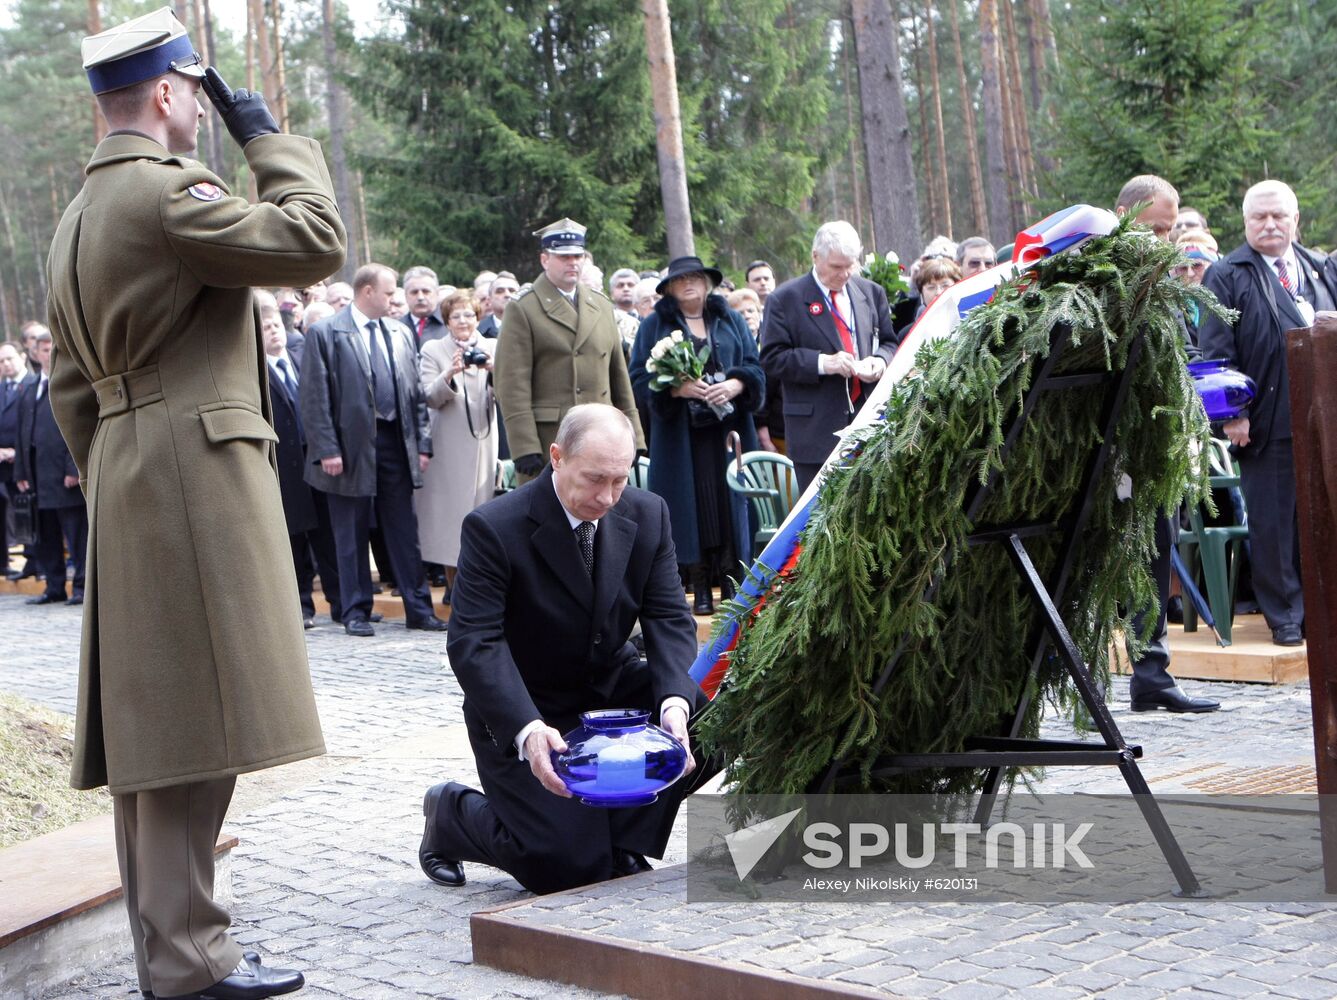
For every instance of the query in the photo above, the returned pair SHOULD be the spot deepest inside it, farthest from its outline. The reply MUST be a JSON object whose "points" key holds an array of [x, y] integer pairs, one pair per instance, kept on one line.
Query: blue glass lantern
{"points": [[617, 758], [1225, 393]]}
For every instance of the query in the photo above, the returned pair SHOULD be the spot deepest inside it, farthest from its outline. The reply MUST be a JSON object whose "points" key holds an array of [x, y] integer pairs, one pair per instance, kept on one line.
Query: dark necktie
{"points": [[585, 536], [289, 379], [382, 381], [847, 343], [1284, 275], [41, 388]]}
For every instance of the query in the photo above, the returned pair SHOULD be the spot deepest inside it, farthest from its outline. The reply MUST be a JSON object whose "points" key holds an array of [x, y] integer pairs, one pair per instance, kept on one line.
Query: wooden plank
{"points": [[1251, 656], [61, 874]]}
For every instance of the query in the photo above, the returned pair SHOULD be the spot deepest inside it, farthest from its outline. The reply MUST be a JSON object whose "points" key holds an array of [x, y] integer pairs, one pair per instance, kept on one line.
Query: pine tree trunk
{"points": [[336, 109], [856, 184], [944, 194], [1021, 120], [213, 126], [250, 45], [978, 211], [260, 33], [280, 71], [94, 27], [668, 129], [995, 125], [1043, 58], [1011, 143], [925, 143], [886, 130]]}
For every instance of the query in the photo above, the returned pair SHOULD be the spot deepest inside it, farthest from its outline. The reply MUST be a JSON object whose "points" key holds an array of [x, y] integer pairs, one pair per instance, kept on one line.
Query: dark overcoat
{"points": [[194, 662], [797, 326], [299, 509], [1256, 343], [338, 410], [9, 424], [671, 470], [42, 459]]}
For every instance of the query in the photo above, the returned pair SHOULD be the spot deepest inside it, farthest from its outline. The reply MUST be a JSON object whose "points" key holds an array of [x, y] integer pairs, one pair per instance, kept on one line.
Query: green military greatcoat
{"points": [[193, 665], [550, 357]]}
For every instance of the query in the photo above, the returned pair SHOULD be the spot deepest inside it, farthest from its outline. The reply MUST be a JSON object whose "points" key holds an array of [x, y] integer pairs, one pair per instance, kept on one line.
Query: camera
{"points": [[473, 356]]}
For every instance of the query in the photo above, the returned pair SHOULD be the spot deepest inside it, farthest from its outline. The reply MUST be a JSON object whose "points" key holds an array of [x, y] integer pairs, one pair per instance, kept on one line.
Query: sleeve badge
{"points": [[205, 191]]}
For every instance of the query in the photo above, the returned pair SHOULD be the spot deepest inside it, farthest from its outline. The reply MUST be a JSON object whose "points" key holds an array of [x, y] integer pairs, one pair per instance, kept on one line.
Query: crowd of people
{"points": [[469, 385]]}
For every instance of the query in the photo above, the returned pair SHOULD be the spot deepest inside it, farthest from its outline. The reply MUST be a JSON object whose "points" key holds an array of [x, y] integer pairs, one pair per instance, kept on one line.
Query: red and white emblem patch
{"points": [[205, 191], [815, 308]]}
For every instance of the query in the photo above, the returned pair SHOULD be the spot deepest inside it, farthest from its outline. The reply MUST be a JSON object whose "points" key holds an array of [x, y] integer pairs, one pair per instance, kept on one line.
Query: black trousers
{"points": [[805, 473], [4, 526], [1267, 478], [1152, 671], [392, 506], [59, 529], [545, 842], [314, 552]]}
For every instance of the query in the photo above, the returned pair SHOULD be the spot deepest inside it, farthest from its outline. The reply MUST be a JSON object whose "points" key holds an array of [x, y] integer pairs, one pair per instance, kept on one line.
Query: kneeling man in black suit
{"points": [[552, 577]]}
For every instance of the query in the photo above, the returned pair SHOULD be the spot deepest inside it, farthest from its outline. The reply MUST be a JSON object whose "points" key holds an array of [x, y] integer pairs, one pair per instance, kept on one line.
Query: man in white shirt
{"points": [[1277, 285], [826, 338], [552, 577]]}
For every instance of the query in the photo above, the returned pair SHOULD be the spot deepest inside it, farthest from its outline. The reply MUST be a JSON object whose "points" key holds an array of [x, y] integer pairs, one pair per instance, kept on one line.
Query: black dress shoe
{"points": [[249, 981], [376, 616], [251, 956], [629, 863], [435, 865], [359, 627], [45, 599], [76, 600], [429, 624], [309, 623], [703, 604], [1282, 635], [1173, 699]]}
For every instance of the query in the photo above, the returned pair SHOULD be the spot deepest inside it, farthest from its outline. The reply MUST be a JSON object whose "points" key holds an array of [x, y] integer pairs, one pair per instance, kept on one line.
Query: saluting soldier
{"points": [[193, 667], [559, 346]]}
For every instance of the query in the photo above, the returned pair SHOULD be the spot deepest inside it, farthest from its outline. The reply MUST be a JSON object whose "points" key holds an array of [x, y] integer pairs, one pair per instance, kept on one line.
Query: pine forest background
{"points": [[456, 127]]}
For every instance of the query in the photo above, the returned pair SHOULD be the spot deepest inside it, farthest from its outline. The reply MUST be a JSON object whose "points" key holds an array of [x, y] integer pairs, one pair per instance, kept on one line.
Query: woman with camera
{"points": [[456, 373], [690, 423]]}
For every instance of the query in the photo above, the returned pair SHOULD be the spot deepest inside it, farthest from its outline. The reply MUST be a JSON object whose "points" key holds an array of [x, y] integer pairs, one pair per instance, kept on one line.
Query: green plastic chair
{"points": [[640, 473], [1212, 552], [505, 478], [767, 480]]}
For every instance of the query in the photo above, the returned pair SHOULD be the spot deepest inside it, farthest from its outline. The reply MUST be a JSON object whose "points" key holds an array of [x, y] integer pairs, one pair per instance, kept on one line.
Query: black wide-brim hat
{"points": [[680, 266]]}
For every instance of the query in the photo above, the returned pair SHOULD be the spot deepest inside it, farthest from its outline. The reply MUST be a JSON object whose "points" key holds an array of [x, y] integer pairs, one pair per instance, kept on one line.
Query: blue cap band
{"points": [[141, 66]]}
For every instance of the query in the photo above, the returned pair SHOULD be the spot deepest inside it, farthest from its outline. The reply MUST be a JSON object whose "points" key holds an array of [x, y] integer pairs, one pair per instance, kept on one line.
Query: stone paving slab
{"points": [[326, 875]]}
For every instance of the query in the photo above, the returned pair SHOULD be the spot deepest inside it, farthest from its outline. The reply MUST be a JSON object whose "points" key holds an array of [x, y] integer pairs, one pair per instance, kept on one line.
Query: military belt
{"points": [[127, 391]]}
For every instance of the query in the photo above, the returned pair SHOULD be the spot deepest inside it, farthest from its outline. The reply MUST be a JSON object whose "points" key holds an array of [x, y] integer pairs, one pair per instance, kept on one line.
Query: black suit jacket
{"points": [[337, 407], [1256, 343], [9, 423], [299, 510], [794, 330], [533, 637], [43, 458]]}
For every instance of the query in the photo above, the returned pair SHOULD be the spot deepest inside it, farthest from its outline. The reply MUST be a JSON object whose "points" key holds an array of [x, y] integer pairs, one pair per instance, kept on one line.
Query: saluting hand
{"points": [[243, 112]]}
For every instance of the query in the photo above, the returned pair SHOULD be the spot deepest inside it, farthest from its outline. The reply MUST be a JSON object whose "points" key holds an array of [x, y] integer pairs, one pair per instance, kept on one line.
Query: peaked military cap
{"points": [[139, 50], [565, 236]]}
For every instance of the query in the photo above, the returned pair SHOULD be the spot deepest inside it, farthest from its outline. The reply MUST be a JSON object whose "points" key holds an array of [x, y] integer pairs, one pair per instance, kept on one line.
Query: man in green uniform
{"points": [[558, 346], [193, 667]]}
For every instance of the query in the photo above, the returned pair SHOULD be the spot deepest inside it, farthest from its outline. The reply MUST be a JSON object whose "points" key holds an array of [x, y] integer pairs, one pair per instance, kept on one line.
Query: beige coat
{"points": [[462, 472], [551, 357], [193, 663]]}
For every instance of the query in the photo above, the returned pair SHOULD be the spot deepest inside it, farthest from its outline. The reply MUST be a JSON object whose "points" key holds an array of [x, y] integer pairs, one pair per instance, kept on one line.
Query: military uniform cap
{"points": [[565, 236], [138, 50]]}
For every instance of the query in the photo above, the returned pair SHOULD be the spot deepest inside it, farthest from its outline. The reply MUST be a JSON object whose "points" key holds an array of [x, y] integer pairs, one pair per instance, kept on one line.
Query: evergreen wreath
{"points": [[889, 520]]}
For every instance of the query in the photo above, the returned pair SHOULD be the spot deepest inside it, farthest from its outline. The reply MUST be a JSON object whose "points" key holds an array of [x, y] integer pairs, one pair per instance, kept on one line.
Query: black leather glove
{"points": [[245, 113], [530, 465]]}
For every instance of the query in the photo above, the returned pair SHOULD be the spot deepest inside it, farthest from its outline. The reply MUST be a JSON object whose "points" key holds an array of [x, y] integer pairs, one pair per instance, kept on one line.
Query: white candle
{"points": [[621, 767]]}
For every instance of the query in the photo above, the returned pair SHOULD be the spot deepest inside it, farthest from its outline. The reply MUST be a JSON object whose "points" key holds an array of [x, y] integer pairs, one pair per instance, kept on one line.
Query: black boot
{"points": [[703, 603]]}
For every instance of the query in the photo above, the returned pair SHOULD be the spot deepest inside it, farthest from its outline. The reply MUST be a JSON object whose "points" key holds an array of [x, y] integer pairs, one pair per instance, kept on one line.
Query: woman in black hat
{"points": [[688, 449]]}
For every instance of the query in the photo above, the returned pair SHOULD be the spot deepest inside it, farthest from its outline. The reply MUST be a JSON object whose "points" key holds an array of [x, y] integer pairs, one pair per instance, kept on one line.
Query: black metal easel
{"points": [[1009, 750]]}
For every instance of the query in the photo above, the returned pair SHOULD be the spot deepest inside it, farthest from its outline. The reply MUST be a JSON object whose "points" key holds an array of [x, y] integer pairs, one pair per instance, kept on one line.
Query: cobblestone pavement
{"points": [[326, 877]]}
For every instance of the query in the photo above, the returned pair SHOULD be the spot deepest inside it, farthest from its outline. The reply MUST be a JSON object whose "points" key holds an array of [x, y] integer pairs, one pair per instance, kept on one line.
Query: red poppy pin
{"points": [[815, 308], [205, 191]]}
